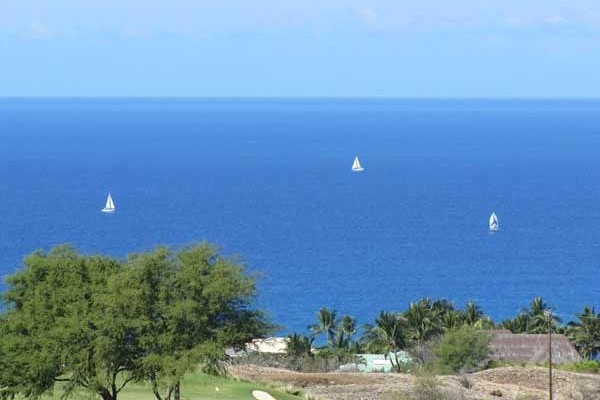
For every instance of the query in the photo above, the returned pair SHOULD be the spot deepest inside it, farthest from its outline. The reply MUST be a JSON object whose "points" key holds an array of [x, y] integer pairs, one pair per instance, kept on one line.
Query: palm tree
{"points": [[449, 316], [299, 345], [473, 313], [442, 305], [516, 325], [348, 325], [340, 342], [345, 329], [474, 316], [585, 333], [533, 319], [387, 335], [326, 323], [538, 316], [423, 321], [452, 319]]}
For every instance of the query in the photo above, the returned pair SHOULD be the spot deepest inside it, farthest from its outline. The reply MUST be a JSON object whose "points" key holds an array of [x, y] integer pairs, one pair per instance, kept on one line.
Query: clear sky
{"points": [[403, 48]]}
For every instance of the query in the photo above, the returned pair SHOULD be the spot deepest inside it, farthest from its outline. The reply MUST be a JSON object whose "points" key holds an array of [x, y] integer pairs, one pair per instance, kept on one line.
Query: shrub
{"points": [[423, 353], [465, 382], [427, 387], [461, 349], [591, 367]]}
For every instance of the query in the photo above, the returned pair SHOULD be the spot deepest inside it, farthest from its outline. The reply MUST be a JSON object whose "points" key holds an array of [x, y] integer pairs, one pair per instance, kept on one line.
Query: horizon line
{"points": [[291, 97]]}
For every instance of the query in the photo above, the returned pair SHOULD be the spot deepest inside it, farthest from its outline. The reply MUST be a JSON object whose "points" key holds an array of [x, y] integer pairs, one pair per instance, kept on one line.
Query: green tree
{"points": [[473, 315], [585, 333], [533, 319], [97, 323], [61, 326], [193, 304], [299, 346], [387, 336], [424, 320], [462, 348], [516, 325], [441, 305], [538, 316], [327, 324], [343, 340], [452, 319], [348, 325]]}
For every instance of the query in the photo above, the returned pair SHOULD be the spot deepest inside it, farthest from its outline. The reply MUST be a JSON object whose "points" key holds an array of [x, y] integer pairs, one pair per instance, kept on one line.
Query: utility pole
{"points": [[549, 315]]}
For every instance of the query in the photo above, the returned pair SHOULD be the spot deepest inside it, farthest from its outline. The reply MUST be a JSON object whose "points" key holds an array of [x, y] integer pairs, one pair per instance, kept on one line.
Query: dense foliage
{"points": [[585, 333], [97, 323], [425, 322], [461, 349], [533, 319]]}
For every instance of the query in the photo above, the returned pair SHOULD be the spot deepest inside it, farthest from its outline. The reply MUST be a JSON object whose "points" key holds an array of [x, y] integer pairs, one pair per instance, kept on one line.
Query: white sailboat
{"points": [[110, 205], [494, 224], [356, 167]]}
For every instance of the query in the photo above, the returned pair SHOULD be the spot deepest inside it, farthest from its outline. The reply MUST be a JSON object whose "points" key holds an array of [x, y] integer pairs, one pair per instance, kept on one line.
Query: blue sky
{"points": [[397, 48]]}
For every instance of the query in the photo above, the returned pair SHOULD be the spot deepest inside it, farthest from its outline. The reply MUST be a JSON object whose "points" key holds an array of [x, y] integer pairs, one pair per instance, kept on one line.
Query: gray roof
{"points": [[533, 349]]}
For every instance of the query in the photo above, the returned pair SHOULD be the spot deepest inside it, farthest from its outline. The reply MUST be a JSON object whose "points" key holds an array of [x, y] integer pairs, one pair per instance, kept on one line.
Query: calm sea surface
{"points": [[270, 180]]}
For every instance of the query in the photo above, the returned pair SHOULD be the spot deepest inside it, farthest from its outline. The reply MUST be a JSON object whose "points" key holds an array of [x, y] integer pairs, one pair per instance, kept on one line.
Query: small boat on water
{"points": [[356, 167], [110, 205], [494, 224]]}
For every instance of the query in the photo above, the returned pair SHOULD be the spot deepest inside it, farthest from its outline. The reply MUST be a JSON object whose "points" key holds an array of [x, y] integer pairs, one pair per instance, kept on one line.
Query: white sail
{"points": [[109, 202], [110, 205], [494, 224], [356, 167]]}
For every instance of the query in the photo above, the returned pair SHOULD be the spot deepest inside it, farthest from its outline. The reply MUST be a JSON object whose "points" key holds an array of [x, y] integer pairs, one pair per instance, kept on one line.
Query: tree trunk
{"points": [[169, 393], [155, 390], [106, 395], [177, 391]]}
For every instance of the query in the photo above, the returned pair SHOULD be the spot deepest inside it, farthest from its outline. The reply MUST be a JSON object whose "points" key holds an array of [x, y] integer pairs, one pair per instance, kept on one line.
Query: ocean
{"points": [[269, 180]]}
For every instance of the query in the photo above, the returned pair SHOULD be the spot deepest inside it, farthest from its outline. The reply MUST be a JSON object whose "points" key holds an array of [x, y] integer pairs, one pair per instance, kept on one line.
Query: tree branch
{"points": [[76, 381], [125, 383]]}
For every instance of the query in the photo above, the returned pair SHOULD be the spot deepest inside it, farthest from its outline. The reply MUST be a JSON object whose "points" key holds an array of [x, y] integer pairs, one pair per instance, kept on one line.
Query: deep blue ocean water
{"points": [[270, 180]]}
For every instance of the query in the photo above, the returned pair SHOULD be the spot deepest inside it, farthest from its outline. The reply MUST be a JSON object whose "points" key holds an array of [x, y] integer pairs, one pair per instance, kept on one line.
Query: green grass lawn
{"points": [[590, 367], [196, 386]]}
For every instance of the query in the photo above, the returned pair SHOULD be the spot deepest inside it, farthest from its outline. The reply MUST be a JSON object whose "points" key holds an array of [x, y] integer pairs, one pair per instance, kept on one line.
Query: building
{"points": [[531, 349], [377, 362], [273, 345]]}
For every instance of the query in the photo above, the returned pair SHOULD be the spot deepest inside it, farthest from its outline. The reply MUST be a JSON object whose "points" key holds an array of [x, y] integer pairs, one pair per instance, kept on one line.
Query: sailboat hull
{"points": [[108, 210]]}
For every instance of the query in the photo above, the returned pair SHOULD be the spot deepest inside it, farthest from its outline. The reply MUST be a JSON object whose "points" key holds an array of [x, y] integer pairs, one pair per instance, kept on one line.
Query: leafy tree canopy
{"points": [[461, 348], [97, 323]]}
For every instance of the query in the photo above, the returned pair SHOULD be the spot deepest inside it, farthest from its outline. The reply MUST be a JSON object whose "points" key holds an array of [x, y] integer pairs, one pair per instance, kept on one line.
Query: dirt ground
{"points": [[513, 383]]}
